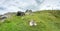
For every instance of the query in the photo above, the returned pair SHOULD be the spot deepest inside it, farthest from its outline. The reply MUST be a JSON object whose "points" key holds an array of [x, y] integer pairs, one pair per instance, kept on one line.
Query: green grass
{"points": [[46, 21]]}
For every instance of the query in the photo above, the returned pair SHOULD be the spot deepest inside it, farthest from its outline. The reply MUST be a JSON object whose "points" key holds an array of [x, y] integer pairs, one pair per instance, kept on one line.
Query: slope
{"points": [[46, 21]]}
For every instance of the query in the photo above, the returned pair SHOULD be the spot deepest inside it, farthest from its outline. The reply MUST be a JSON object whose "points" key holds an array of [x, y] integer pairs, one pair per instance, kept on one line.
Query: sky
{"points": [[23, 5]]}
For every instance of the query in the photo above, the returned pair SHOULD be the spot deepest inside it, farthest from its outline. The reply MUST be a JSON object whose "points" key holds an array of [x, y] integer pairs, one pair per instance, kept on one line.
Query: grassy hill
{"points": [[47, 20]]}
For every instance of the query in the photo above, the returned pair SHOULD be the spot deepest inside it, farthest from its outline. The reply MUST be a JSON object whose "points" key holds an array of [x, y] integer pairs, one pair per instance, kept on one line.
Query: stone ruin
{"points": [[28, 12]]}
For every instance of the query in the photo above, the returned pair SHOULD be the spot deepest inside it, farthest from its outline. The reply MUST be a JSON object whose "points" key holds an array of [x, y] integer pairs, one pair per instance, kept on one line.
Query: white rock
{"points": [[32, 23]]}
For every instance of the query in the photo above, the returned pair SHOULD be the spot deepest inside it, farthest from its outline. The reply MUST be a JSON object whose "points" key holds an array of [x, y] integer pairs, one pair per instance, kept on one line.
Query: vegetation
{"points": [[47, 20]]}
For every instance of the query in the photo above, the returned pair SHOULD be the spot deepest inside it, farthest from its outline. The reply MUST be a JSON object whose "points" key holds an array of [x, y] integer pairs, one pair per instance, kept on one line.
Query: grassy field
{"points": [[47, 20]]}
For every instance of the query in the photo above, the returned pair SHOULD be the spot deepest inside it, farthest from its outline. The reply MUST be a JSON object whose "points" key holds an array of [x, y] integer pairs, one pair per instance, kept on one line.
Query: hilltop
{"points": [[47, 20]]}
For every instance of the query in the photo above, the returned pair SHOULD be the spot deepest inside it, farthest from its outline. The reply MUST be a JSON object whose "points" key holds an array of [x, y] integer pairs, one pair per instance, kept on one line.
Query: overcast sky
{"points": [[22, 5]]}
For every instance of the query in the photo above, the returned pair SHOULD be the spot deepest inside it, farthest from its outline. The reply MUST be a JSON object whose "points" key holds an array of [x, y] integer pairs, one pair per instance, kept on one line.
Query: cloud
{"points": [[39, 1], [49, 4], [2, 8], [22, 5]]}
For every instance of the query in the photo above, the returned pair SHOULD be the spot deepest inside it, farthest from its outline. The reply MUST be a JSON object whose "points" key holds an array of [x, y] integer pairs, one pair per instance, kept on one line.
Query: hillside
{"points": [[47, 20]]}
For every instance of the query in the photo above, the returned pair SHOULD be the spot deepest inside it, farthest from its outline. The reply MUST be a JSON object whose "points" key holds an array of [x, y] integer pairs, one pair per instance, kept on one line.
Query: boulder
{"points": [[19, 13], [2, 19]]}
